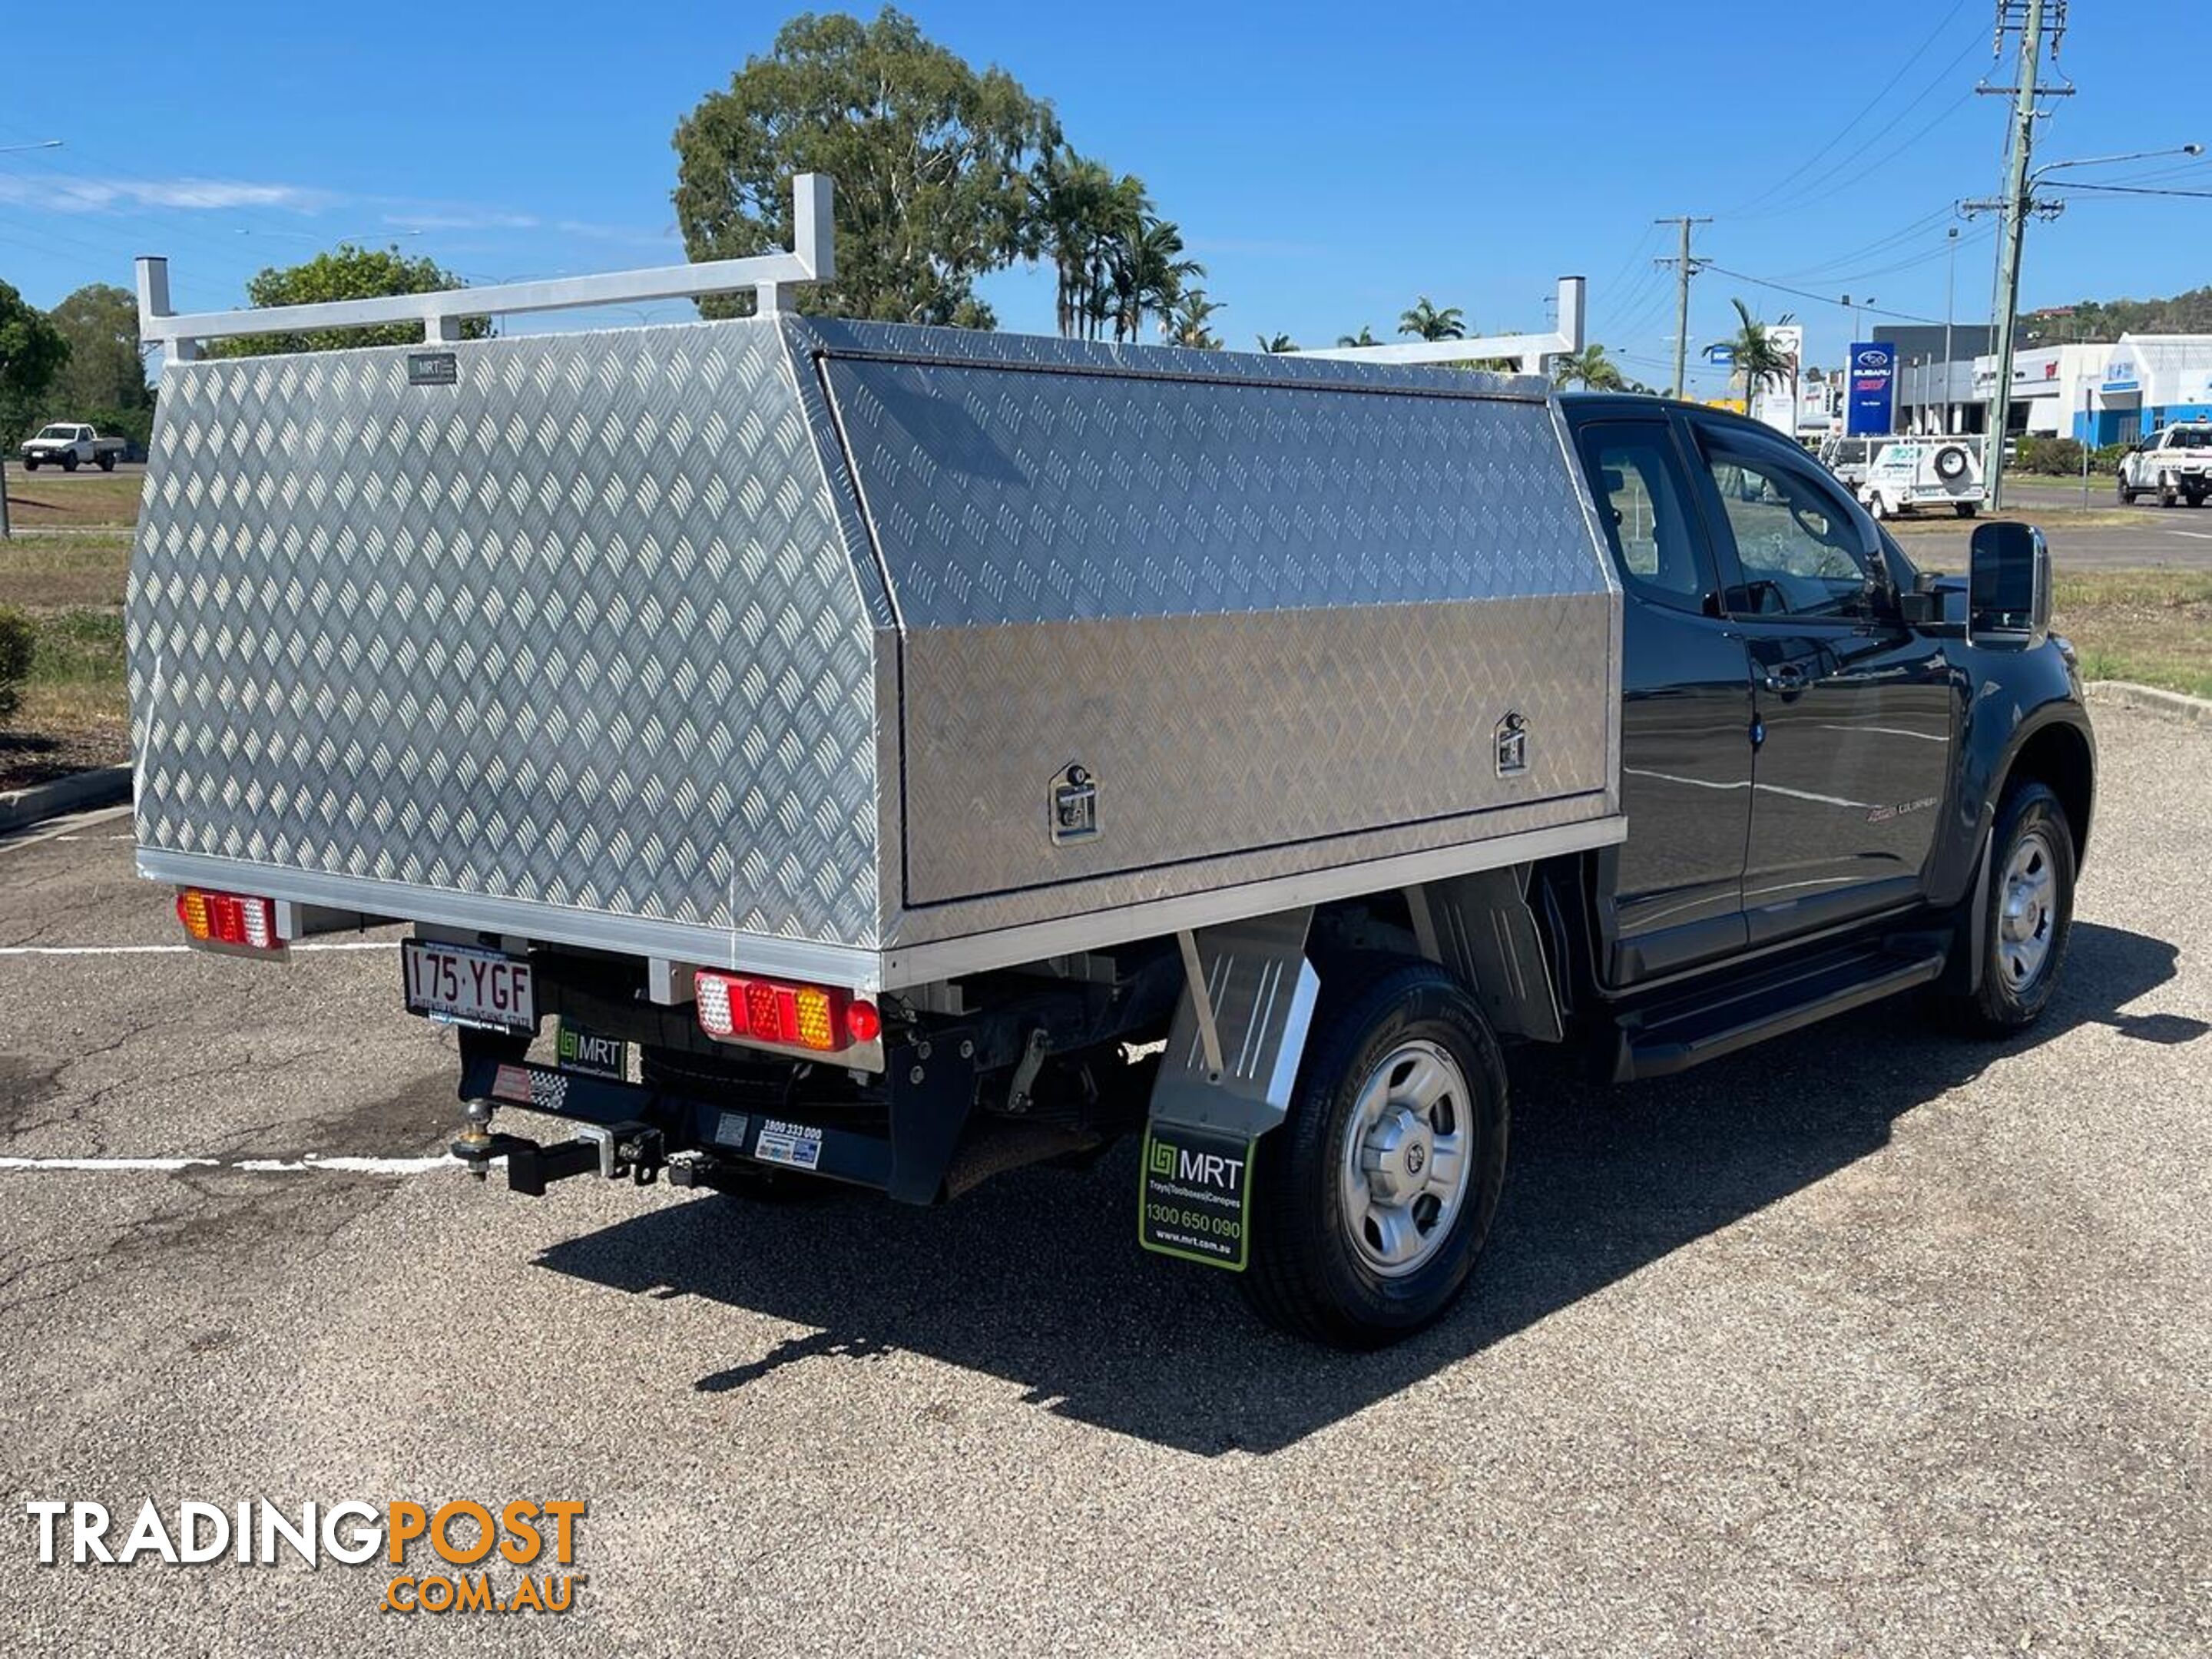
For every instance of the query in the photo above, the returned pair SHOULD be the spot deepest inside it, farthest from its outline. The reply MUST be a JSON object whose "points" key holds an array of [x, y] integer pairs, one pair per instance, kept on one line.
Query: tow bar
{"points": [[615, 1150]]}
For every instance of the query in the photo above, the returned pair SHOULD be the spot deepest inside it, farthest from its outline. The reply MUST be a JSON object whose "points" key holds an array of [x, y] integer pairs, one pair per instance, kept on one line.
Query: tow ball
{"points": [[615, 1151]]}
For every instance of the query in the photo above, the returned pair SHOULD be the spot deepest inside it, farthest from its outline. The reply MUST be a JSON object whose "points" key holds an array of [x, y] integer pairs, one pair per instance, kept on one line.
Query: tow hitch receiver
{"points": [[613, 1150]]}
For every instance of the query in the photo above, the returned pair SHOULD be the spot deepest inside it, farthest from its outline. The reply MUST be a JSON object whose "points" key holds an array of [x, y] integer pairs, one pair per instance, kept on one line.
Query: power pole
{"points": [[2036, 18], [1684, 267]]}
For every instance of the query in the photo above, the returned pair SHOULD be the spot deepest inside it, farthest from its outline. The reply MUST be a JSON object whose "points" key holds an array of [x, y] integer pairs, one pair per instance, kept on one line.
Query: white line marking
{"points": [[169, 949], [314, 1161], [104, 1164], [2193, 535]]}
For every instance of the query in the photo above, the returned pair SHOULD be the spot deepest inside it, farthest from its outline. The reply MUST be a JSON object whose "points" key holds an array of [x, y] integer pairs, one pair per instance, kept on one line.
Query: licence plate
{"points": [[463, 985]]}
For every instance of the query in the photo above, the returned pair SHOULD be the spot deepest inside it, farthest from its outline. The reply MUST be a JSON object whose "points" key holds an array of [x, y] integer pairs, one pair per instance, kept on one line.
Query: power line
{"points": [[1904, 67], [1821, 299]]}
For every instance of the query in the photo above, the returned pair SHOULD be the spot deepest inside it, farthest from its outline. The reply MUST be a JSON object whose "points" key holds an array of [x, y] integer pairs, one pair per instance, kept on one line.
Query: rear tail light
{"points": [[739, 1007], [238, 919]]}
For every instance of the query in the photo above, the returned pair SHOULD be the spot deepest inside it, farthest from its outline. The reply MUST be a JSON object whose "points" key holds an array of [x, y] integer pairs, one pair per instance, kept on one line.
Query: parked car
{"points": [[69, 445], [994, 747], [2175, 464]]}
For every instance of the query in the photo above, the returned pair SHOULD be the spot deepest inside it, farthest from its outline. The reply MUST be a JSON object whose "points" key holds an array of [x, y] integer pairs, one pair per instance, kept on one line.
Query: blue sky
{"points": [[1325, 164]]}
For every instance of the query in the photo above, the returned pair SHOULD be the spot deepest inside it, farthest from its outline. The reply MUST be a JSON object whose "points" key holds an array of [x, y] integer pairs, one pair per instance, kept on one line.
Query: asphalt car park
{"points": [[1872, 1341]]}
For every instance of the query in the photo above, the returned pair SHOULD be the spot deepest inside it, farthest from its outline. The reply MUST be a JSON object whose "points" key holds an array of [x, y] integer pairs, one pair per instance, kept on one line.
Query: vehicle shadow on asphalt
{"points": [[1037, 1277]]}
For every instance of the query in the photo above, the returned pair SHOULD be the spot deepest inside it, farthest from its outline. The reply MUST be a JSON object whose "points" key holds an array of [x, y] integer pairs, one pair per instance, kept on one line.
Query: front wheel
{"points": [[2026, 917], [2127, 495], [2166, 496], [1878, 506], [1964, 510], [68, 463], [1373, 1198], [30, 464]]}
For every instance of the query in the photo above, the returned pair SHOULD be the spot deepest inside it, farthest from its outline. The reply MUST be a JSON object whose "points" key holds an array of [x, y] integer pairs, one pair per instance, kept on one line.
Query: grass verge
{"points": [[63, 573], [2152, 627], [73, 714], [34, 503]]}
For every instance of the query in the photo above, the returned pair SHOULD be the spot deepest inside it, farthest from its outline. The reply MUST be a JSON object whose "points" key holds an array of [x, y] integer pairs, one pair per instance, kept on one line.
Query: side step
{"points": [[1729, 1013]]}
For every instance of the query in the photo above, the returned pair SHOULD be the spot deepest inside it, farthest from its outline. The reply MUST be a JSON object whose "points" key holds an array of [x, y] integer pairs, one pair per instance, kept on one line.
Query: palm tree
{"points": [[1071, 196], [1589, 368], [1149, 273], [1426, 322], [1758, 359], [1364, 337], [1187, 325], [1274, 342]]}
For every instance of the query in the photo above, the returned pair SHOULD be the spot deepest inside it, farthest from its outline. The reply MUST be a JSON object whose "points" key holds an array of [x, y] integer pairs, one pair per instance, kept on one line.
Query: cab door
{"points": [[1671, 895], [1854, 714]]}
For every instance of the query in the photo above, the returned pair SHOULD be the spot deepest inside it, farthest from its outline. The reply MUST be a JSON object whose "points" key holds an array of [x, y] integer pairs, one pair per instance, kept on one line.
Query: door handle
{"points": [[1785, 679]]}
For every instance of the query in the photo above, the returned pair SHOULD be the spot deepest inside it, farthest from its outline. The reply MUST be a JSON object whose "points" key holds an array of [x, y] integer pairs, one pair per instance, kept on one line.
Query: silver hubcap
{"points": [[2027, 911], [1406, 1158]]}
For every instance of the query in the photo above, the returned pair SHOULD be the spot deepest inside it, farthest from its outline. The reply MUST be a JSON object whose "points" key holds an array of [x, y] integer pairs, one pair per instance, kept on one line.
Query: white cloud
{"points": [[64, 192], [464, 219]]}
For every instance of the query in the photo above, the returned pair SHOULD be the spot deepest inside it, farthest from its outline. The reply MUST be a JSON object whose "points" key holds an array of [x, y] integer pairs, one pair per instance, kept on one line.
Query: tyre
{"points": [[1964, 510], [30, 464], [2028, 915], [1373, 1198], [69, 462], [2120, 487], [2166, 492], [108, 464], [1950, 464], [1878, 506]]}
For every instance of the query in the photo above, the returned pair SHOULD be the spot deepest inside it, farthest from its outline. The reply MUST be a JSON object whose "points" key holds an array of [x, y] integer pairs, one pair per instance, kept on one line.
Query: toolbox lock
{"points": [[1074, 806]]}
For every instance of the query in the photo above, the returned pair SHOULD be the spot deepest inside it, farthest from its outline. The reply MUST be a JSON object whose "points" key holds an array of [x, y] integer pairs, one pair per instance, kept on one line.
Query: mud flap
{"points": [[1231, 1062]]}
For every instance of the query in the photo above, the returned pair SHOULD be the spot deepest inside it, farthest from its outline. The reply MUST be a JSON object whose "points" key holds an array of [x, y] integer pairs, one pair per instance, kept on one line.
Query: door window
{"points": [[1643, 506], [1795, 541]]}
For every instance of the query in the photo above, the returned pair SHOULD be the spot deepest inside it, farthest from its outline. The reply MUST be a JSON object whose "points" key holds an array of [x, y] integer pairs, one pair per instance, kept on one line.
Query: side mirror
{"points": [[2009, 586]]}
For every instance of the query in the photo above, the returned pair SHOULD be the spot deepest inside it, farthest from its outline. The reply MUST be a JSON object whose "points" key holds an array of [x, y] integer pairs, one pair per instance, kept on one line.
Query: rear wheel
{"points": [[1878, 506], [108, 464], [1964, 510], [1373, 1199], [2028, 914]]}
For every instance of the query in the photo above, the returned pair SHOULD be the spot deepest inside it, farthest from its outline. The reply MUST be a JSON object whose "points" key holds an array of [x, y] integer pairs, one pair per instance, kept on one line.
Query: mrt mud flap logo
{"points": [[1196, 1202], [460, 1555]]}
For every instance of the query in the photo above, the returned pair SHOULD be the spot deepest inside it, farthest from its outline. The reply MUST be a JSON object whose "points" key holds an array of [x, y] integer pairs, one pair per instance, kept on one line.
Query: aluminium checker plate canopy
{"points": [[866, 653]]}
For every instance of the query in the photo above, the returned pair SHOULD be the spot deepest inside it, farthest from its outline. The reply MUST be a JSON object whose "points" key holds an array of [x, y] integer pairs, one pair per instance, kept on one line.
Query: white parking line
{"points": [[171, 949], [313, 1161]]}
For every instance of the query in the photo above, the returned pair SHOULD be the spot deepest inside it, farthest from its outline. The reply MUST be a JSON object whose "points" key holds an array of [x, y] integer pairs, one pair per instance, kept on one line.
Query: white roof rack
{"points": [[811, 259]]}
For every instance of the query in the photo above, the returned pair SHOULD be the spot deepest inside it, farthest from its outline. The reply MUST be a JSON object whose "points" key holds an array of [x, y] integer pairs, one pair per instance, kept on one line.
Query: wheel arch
{"points": [[2058, 754]]}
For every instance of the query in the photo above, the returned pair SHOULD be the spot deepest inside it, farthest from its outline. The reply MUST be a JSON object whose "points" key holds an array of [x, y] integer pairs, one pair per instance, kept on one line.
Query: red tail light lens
{"points": [[812, 1017], [237, 919]]}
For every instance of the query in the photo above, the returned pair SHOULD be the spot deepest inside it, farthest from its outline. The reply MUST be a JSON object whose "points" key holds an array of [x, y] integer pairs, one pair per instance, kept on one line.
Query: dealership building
{"points": [[2099, 392]]}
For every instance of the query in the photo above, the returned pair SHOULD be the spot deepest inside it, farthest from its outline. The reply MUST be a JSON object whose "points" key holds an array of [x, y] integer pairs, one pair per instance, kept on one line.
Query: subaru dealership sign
{"points": [[1870, 410]]}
